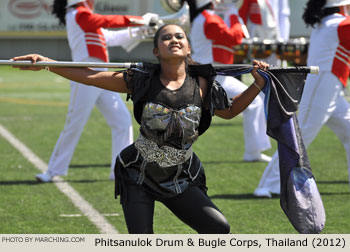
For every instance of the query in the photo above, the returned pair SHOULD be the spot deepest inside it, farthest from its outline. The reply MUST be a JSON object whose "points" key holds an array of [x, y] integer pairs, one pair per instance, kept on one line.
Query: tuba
{"points": [[133, 36], [181, 16], [171, 5], [152, 22]]}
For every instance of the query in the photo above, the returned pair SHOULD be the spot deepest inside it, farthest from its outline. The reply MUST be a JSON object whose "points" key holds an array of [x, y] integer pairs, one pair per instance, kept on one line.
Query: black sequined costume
{"points": [[161, 160], [161, 163]]}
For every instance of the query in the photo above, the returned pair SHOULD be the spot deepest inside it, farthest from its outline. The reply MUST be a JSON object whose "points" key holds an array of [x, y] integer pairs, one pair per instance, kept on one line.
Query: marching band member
{"points": [[265, 20], [212, 41], [88, 42], [323, 101]]}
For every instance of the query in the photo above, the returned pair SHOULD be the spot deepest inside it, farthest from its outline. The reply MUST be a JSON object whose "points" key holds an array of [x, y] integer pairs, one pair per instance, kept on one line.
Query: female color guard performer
{"points": [[174, 102]]}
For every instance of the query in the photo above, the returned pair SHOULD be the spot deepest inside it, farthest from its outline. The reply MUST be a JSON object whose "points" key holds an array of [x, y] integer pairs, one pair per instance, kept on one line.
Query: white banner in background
{"points": [[33, 17]]}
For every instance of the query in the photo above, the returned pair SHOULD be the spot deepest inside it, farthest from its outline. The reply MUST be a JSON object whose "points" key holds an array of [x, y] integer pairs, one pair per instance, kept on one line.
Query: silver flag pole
{"points": [[71, 64], [305, 69]]}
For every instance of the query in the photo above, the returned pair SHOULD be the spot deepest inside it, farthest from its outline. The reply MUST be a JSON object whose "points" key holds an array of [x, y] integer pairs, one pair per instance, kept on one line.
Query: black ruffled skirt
{"points": [[161, 182]]}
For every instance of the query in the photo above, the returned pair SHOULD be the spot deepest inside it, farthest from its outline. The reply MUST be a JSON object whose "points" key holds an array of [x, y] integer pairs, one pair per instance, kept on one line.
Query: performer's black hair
{"points": [[315, 11], [59, 10]]}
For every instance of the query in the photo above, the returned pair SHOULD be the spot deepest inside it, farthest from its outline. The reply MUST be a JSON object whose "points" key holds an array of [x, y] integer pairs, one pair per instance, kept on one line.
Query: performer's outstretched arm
{"points": [[113, 81]]}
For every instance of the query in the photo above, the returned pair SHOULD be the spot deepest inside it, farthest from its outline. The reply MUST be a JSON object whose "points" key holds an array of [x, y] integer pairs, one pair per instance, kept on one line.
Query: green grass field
{"points": [[33, 107]]}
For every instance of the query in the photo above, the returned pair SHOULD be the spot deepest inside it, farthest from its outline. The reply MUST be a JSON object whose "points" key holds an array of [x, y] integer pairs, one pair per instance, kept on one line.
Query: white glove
{"points": [[151, 19]]}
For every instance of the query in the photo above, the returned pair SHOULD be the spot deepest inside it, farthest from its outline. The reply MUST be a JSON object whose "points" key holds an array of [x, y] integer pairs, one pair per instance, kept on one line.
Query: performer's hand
{"points": [[151, 19], [33, 58], [259, 80]]}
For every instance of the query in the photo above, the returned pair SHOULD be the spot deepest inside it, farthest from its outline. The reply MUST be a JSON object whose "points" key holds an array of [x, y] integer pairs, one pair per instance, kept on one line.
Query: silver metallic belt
{"points": [[164, 156]]}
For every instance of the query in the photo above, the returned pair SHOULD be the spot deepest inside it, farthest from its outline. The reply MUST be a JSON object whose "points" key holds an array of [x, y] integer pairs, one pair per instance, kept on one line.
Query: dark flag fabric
{"points": [[300, 199]]}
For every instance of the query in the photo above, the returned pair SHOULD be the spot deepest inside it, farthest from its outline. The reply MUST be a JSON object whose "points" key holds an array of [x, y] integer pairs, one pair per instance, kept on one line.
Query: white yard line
{"points": [[92, 214], [81, 215]]}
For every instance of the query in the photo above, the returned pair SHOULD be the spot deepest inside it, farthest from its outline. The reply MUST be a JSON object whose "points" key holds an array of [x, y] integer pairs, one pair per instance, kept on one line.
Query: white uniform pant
{"points": [[254, 122], [82, 100], [322, 103]]}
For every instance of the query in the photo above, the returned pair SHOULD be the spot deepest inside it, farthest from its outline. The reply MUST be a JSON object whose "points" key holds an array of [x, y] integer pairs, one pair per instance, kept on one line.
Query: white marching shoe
{"points": [[44, 177], [260, 157], [262, 192]]}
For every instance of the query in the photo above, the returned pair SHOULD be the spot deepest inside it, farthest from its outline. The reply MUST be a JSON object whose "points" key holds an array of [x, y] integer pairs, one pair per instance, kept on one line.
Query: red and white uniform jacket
{"points": [[212, 40], [265, 19], [328, 53], [86, 36], [250, 10]]}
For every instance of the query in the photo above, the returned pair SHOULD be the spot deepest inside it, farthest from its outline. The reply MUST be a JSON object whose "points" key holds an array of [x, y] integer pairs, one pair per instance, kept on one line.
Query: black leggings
{"points": [[193, 207]]}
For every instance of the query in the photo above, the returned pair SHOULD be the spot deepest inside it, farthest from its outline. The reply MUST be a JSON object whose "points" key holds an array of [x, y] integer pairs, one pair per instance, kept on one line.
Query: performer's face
{"points": [[172, 42]]}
